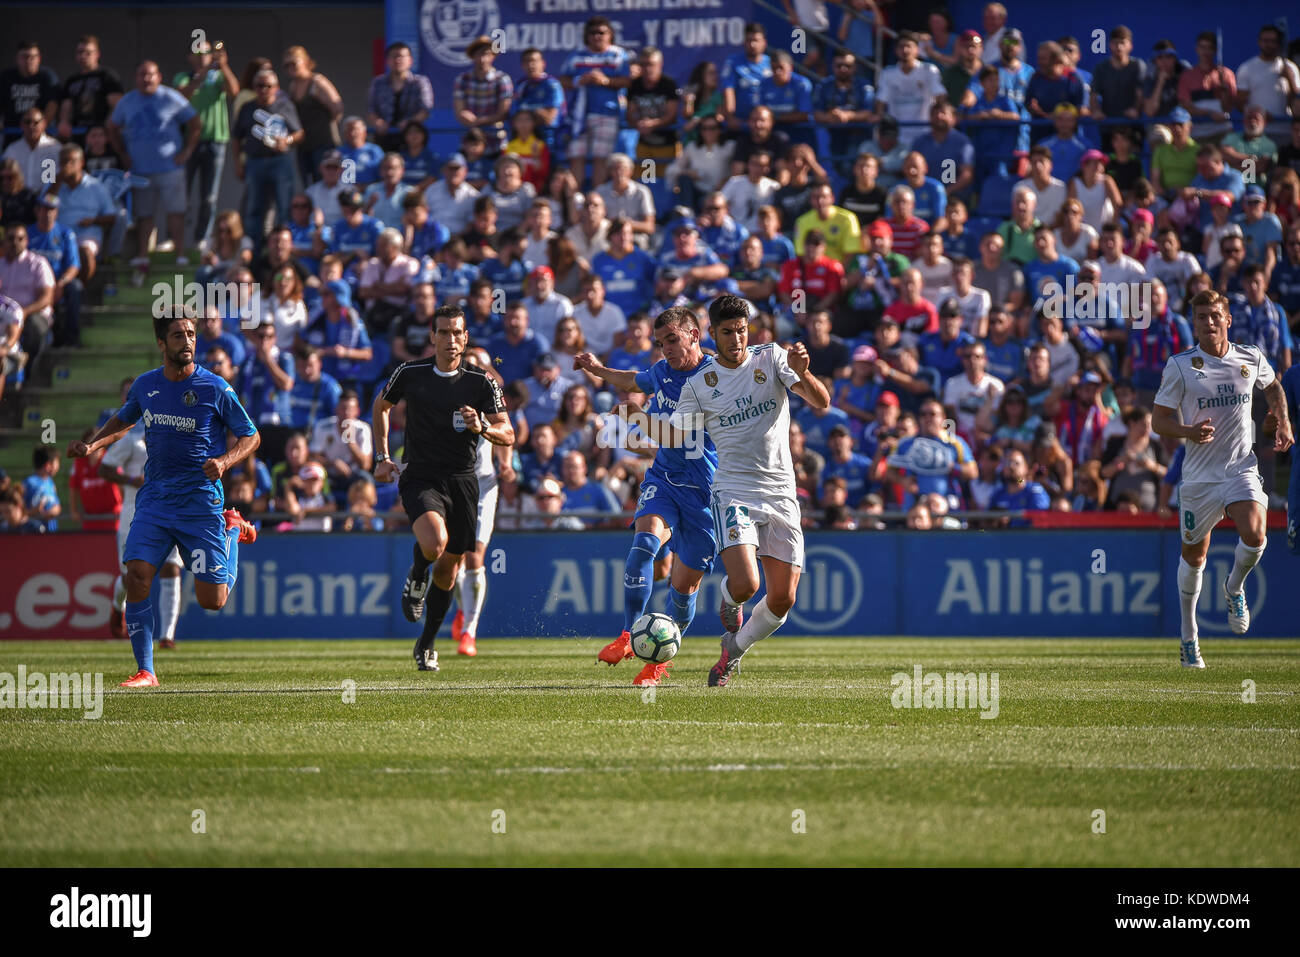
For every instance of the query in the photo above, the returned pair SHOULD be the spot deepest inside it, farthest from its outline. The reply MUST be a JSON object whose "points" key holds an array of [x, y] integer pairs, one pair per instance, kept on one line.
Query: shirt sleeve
{"points": [[781, 365], [395, 390], [130, 411], [1172, 387], [492, 400], [232, 414], [645, 381], [1264, 374]]}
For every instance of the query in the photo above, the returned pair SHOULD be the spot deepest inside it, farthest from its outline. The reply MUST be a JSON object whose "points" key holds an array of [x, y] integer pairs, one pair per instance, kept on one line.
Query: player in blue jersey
{"points": [[1291, 389], [674, 505], [187, 412]]}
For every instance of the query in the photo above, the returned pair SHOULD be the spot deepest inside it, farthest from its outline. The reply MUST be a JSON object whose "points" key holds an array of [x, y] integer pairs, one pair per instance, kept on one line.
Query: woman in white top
{"points": [[1095, 190], [1075, 238], [935, 268], [284, 307], [704, 165]]}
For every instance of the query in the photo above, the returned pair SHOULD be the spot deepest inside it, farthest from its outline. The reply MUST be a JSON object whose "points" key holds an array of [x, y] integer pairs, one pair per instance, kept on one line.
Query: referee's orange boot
{"points": [[651, 674], [247, 533], [617, 650], [141, 679]]}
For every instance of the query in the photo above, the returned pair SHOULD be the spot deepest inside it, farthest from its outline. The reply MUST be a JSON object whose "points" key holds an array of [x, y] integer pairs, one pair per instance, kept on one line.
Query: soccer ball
{"points": [[655, 638]]}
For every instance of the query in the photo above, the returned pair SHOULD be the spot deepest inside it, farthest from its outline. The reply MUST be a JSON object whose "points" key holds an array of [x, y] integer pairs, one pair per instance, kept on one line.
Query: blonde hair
{"points": [[301, 53]]}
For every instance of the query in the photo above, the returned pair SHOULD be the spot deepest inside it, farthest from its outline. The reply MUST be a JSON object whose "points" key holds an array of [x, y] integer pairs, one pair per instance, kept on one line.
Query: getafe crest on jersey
{"points": [[189, 398]]}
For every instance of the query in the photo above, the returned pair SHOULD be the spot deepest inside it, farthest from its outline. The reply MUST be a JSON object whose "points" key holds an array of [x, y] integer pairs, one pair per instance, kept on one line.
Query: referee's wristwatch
{"points": [[381, 457]]}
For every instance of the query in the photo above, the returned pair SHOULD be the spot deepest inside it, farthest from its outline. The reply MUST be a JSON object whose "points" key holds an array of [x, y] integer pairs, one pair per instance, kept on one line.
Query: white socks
{"points": [[760, 624], [169, 605], [726, 593], [473, 589], [1189, 589], [1247, 558]]}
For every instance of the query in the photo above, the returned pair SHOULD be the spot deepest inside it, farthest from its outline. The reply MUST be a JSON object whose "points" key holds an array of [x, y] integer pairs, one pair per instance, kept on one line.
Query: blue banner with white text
{"points": [[1077, 583]]}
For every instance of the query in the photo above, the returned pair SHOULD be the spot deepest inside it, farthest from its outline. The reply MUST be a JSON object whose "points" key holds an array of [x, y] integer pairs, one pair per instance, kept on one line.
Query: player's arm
{"points": [[809, 388], [245, 446], [1167, 422], [624, 379], [493, 426], [386, 469], [109, 432], [1275, 396]]}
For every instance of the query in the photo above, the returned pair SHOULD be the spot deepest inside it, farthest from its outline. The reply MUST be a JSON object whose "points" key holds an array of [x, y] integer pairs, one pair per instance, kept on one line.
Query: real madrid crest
{"points": [[189, 398], [710, 379], [734, 534], [1245, 372], [760, 376], [1197, 362]]}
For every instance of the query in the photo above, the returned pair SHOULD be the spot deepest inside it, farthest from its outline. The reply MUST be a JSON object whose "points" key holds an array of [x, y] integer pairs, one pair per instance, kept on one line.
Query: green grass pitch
{"points": [[532, 754]]}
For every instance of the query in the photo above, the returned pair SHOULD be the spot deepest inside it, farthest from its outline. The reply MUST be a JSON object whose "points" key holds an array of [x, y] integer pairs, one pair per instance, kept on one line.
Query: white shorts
{"points": [[1202, 504], [487, 513], [599, 133], [772, 525], [124, 529]]}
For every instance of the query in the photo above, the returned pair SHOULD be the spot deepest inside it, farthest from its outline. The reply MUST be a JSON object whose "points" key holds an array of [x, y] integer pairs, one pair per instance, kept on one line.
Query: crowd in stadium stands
{"points": [[989, 268]]}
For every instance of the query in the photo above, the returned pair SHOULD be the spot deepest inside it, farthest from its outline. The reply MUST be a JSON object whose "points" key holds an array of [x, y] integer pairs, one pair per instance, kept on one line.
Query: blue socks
{"points": [[139, 627], [683, 608], [232, 557], [638, 578]]}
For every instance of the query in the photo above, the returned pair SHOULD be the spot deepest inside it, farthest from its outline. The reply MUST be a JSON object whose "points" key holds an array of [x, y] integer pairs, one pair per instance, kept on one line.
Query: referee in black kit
{"points": [[450, 408]]}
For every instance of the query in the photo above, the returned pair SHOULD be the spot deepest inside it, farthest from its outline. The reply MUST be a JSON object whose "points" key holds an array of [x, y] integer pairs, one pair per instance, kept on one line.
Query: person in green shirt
{"points": [[957, 78], [1251, 145], [207, 84], [1018, 231], [1173, 164]]}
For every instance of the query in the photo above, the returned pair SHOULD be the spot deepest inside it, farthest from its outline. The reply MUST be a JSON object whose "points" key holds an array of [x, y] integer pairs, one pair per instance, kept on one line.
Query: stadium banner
{"points": [[1067, 583], [687, 31]]}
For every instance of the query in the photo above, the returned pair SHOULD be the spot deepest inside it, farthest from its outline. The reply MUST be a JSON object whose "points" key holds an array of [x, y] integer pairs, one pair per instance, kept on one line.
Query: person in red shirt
{"points": [[92, 495], [908, 230], [912, 311], [820, 278]]}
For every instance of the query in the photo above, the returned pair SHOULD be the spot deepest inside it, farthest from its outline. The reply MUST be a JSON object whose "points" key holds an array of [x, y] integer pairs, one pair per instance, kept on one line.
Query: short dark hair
{"points": [[478, 285], [679, 317], [162, 324], [43, 455], [399, 45], [1253, 270], [988, 71], [753, 26], [596, 22], [529, 51], [728, 307], [448, 312]]}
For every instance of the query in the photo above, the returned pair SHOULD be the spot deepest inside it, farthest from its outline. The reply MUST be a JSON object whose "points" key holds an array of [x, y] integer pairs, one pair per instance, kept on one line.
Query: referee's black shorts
{"points": [[454, 497]]}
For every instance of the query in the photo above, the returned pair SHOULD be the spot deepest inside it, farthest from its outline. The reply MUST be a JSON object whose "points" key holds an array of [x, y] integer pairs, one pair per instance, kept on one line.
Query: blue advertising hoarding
{"points": [[687, 31], [1028, 583]]}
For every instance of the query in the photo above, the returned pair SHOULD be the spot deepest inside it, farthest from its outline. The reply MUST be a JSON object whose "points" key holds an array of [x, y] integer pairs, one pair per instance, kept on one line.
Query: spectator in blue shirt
{"points": [[719, 230], [211, 333], [597, 75], [844, 463], [340, 335], [517, 348], [843, 103], [1213, 178], [545, 391], [85, 206], [354, 237], [360, 158], [1053, 83], [145, 130], [789, 96], [931, 197], [817, 425], [583, 495], [947, 151], [39, 493], [267, 378], [992, 134], [627, 271], [1048, 266], [1067, 146], [1261, 229], [742, 74], [315, 393], [942, 350], [1261, 322], [1017, 492], [542, 93], [637, 350], [932, 461], [58, 244], [1284, 286]]}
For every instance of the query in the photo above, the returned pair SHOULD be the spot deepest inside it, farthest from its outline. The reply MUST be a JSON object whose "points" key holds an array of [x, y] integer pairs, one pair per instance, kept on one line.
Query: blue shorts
{"points": [[202, 543], [685, 511]]}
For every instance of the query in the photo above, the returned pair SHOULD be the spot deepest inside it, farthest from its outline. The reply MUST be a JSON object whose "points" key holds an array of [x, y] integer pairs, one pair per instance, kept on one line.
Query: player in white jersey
{"points": [[1205, 397], [745, 409], [493, 462], [123, 464]]}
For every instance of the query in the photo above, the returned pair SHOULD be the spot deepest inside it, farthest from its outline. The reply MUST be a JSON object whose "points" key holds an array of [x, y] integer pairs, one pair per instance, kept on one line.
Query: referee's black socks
{"points": [[438, 604], [421, 563]]}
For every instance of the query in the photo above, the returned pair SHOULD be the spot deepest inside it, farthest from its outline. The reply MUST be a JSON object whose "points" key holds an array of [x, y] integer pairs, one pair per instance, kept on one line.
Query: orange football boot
{"points": [[617, 650], [141, 679], [247, 533], [651, 673], [458, 625], [466, 645]]}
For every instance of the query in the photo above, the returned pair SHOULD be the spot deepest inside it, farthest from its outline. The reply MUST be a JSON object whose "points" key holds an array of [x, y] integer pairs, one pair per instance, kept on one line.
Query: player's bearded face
{"points": [[178, 348]]}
